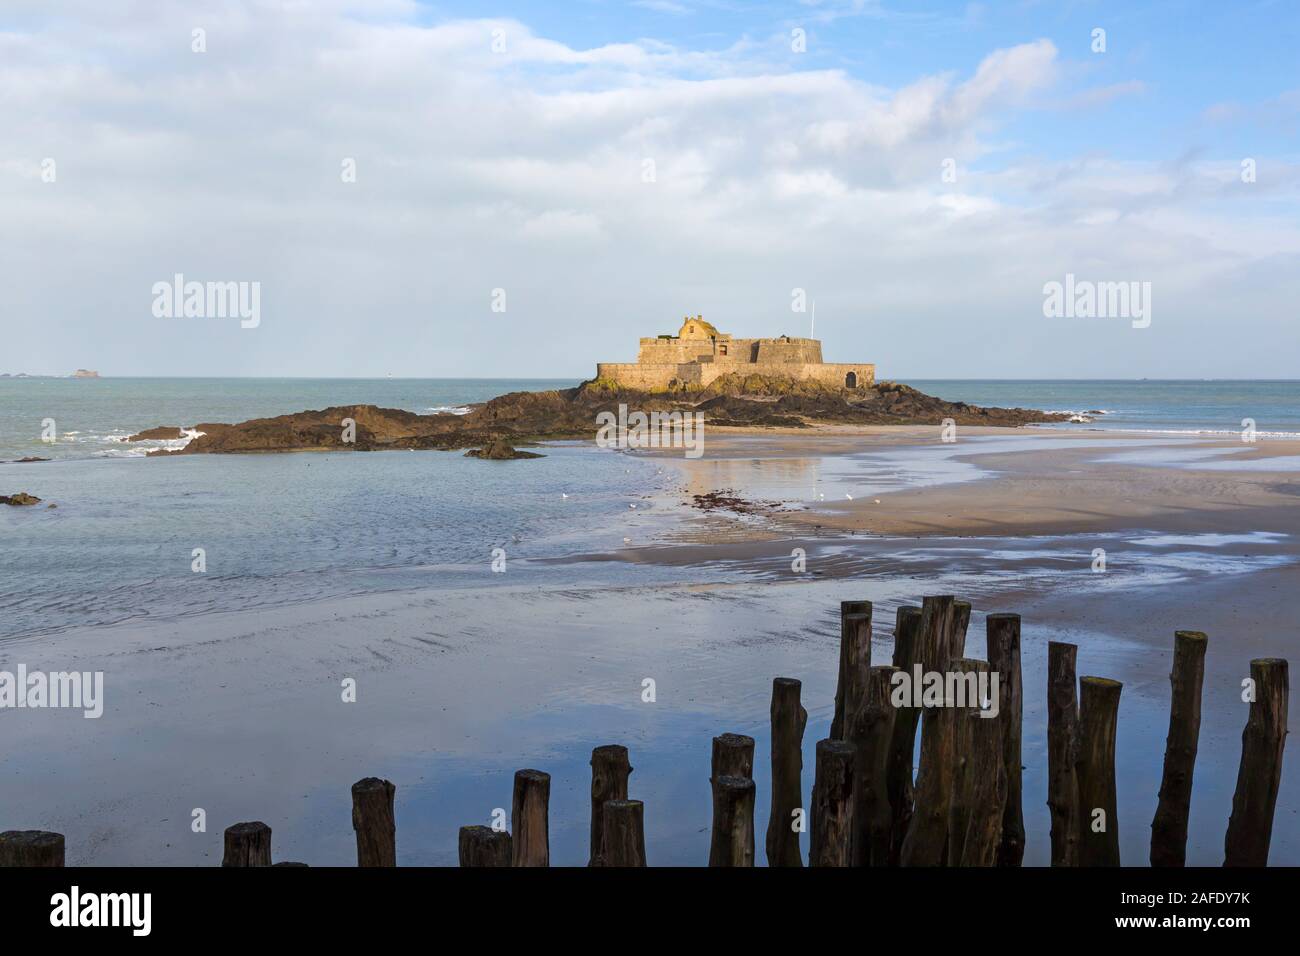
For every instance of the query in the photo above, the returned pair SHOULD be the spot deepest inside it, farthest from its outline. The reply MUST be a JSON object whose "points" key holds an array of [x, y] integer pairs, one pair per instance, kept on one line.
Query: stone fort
{"points": [[699, 353]]}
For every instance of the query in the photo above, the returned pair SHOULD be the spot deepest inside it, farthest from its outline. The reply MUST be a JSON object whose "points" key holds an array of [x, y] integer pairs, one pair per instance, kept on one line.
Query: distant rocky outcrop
{"points": [[161, 433], [528, 417], [85, 373], [500, 451], [22, 498]]}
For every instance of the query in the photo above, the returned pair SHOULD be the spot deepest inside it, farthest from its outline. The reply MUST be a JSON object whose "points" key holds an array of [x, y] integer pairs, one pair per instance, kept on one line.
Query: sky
{"points": [[525, 189]]}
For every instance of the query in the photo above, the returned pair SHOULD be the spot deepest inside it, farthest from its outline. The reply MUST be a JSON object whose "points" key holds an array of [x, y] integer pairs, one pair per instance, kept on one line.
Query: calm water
{"points": [[278, 529], [1175, 407]]}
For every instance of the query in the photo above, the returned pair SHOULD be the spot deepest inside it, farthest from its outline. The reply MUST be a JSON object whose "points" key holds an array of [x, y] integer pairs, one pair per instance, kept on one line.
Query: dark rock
{"points": [[500, 451], [529, 417], [21, 461], [22, 498], [161, 433]]}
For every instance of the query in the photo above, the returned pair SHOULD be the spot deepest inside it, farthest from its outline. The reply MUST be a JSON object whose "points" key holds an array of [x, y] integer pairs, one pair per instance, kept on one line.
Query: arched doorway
{"points": [[851, 380]]}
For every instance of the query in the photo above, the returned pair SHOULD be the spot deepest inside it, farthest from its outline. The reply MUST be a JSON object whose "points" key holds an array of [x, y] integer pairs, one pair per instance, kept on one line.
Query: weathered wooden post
{"points": [[1002, 632], [1098, 819], [623, 843], [831, 841], [530, 817], [372, 819], [733, 756], [788, 722], [1169, 828], [857, 667], [1250, 828], [732, 842], [871, 736], [41, 848], [960, 622], [1063, 752], [902, 743], [851, 659], [927, 834], [609, 772], [979, 779], [483, 846], [247, 844]]}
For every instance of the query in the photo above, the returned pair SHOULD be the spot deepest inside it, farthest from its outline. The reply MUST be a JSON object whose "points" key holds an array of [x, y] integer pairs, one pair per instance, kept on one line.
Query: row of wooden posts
{"points": [[963, 809]]}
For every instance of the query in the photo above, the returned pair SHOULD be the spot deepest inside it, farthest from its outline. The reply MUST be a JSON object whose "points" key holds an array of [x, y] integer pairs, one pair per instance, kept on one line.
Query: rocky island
{"points": [[733, 400]]}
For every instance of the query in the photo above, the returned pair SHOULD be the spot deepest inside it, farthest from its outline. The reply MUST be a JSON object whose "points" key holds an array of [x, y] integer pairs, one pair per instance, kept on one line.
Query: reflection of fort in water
{"points": [[790, 478]]}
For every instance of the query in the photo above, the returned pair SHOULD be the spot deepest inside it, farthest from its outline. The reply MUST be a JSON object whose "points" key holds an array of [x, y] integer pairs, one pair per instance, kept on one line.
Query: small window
{"points": [[851, 380]]}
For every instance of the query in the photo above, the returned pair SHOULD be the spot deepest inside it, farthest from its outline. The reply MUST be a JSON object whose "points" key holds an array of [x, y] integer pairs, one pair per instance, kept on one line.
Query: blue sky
{"points": [[523, 169]]}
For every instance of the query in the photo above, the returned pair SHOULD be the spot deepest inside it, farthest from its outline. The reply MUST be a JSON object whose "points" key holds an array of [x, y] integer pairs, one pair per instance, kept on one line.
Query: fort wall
{"points": [[652, 376], [699, 354]]}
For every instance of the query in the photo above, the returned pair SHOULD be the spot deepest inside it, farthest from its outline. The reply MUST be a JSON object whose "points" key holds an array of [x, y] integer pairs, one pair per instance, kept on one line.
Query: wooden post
{"points": [[247, 844], [1169, 828], [609, 772], [732, 842], [31, 848], [372, 819], [1098, 819], [733, 756], [871, 736], [927, 834], [529, 816], [960, 622], [979, 779], [850, 651], [788, 722], [623, 843], [857, 667], [483, 846], [902, 743], [1063, 752], [1251, 825], [831, 841], [1002, 632]]}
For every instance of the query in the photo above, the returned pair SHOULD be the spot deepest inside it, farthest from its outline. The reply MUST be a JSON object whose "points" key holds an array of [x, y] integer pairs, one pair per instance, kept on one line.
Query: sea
{"points": [[132, 536]]}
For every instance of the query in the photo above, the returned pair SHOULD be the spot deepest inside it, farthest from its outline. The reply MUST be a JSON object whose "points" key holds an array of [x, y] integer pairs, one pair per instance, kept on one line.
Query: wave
{"points": [[141, 449], [448, 409]]}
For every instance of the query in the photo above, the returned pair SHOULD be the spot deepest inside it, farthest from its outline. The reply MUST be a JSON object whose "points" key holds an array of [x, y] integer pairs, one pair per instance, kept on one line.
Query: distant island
{"points": [[738, 383], [79, 373]]}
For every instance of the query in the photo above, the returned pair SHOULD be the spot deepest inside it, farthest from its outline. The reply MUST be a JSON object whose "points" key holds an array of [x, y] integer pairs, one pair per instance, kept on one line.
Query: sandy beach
{"points": [[239, 712]]}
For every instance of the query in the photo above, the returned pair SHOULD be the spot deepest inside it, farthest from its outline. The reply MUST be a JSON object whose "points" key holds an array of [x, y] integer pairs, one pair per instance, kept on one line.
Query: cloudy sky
{"points": [[614, 165]]}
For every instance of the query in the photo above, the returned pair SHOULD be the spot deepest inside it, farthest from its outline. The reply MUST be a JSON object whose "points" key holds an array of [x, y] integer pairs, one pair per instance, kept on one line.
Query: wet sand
{"points": [[240, 713]]}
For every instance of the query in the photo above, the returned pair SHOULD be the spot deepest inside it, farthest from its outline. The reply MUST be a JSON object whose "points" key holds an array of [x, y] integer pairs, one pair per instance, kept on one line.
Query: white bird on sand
{"points": [[627, 540], [849, 496]]}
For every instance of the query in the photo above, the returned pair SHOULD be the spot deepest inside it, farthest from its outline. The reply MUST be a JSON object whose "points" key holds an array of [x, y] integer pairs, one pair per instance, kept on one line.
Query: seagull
{"points": [[633, 507], [627, 540], [849, 496], [563, 495], [877, 501]]}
